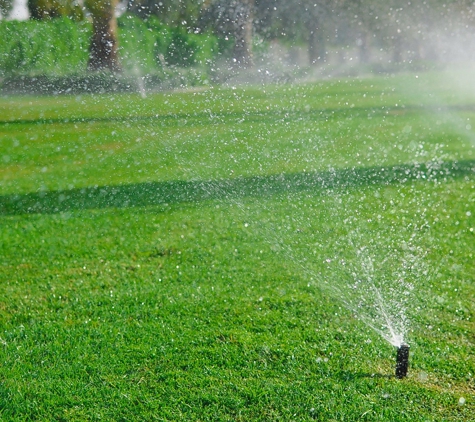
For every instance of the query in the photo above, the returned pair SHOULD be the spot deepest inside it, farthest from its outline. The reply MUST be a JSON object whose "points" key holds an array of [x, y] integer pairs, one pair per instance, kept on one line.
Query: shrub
{"points": [[148, 45], [60, 47], [138, 44]]}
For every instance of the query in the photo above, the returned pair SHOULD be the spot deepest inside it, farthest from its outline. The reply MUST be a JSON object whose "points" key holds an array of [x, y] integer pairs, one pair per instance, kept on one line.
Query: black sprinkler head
{"points": [[402, 360]]}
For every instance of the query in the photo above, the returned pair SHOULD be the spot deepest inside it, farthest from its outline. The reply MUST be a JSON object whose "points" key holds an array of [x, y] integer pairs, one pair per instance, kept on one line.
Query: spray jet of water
{"points": [[140, 82]]}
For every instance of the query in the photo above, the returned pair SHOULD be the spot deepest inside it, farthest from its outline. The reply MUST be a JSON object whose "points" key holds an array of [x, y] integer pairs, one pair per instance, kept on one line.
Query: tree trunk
{"points": [[363, 44], [103, 53], [244, 30], [317, 52], [397, 49]]}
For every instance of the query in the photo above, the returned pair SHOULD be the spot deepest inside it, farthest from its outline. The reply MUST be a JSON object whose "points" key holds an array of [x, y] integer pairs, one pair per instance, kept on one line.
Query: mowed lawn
{"points": [[203, 255]]}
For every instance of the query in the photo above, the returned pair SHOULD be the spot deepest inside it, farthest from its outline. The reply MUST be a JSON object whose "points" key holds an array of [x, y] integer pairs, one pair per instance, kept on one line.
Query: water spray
{"points": [[402, 360]]}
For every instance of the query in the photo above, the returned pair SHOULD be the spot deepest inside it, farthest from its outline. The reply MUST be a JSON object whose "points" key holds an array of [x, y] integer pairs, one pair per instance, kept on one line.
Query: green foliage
{"points": [[60, 47], [148, 45], [190, 49], [50, 9], [171, 12], [5, 7], [141, 45]]}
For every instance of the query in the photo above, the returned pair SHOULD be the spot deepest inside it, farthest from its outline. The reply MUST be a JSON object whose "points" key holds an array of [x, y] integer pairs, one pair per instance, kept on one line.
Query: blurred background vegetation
{"points": [[149, 42]]}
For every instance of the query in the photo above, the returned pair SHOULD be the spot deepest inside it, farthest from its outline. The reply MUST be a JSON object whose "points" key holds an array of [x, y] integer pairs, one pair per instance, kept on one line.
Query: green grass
{"points": [[167, 258]]}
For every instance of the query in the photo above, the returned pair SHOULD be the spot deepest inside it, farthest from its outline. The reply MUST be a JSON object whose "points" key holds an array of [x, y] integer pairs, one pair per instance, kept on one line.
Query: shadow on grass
{"points": [[174, 192], [351, 376], [205, 118]]}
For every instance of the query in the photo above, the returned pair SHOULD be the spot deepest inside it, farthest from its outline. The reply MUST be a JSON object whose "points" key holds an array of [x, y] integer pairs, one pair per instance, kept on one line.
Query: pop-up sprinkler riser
{"points": [[402, 360]]}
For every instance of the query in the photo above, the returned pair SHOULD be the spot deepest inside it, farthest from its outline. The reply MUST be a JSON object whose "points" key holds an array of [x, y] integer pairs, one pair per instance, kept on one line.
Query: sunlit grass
{"points": [[165, 258]]}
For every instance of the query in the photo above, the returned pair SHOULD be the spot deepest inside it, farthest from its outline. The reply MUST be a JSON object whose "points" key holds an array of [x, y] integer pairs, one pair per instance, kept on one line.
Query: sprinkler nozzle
{"points": [[402, 360]]}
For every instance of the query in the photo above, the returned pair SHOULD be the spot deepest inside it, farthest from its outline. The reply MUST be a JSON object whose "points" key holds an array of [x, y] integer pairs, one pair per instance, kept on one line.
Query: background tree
{"points": [[363, 18], [103, 50], [170, 12], [103, 47], [49, 9], [6, 7], [232, 19], [397, 29], [307, 21]]}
